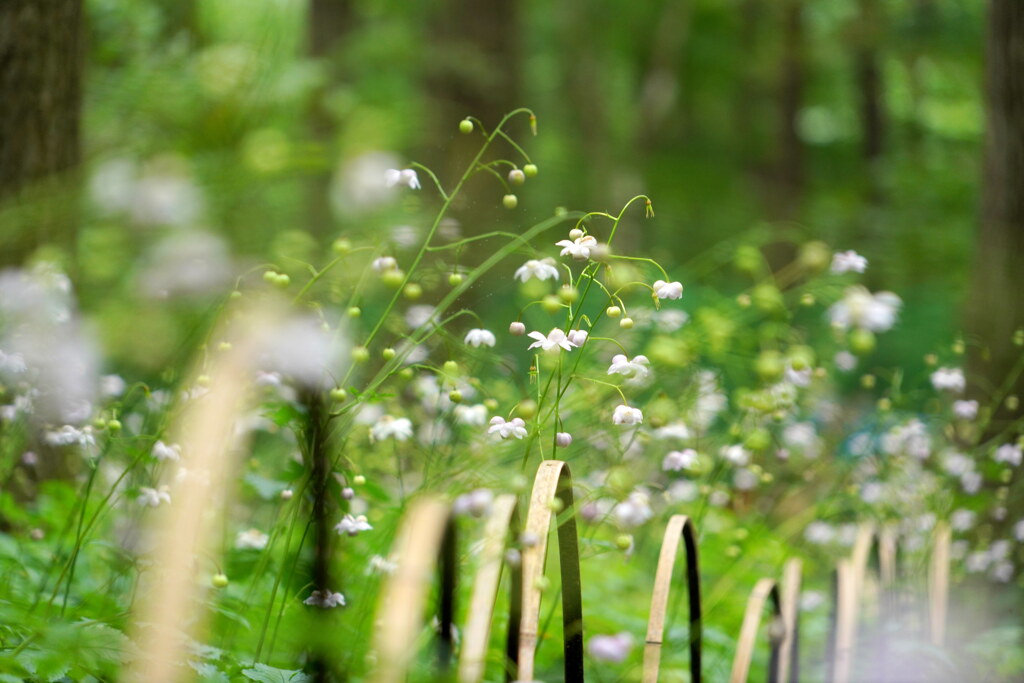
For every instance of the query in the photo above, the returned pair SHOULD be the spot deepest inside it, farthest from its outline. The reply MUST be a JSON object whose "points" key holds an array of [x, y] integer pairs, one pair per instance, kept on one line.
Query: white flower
{"points": [[400, 428], [13, 363], [563, 439], [1018, 531], [578, 248], [949, 379], [971, 481], [624, 415], [556, 339], [675, 430], [670, 319], [820, 533], [384, 263], [965, 410], [679, 460], [633, 511], [736, 454], [475, 416], [577, 337], [163, 451], [475, 503], [478, 337], [961, 520], [153, 497], [861, 309], [799, 378], [745, 480], [845, 361], [251, 539], [69, 435], [513, 428], [352, 525], [1009, 453], [635, 370], [848, 262], [325, 599], [612, 649], [110, 385], [381, 565], [406, 176], [957, 464], [542, 270], [668, 290]]}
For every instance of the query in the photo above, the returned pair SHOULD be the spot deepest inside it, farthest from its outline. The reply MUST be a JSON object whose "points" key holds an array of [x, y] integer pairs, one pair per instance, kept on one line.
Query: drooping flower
{"points": [[949, 379], [624, 415], [542, 270], [384, 263], [633, 511], [965, 410], [163, 451], [675, 461], [475, 415], [406, 176], [512, 428], [736, 454], [555, 339], [352, 525], [325, 599], [251, 539], [861, 309], [69, 435], [579, 248], [635, 370], [610, 649], [577, 337], [1009, 453], [848, 262], [478, 337], [668, 290], [151, 497], [674, 430], [563, 439], [399, 428]]}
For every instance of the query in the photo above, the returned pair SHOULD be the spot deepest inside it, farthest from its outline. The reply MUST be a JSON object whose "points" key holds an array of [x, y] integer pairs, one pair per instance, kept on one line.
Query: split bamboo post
{"points": [[789, 655], [938, 585], [764, 590]]}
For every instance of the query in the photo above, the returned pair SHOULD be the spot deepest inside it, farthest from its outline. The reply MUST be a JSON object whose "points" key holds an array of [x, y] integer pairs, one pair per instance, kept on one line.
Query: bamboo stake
{"points": [[679, 527], [846, 621], [400, 613], [938, 585], [764, 590], [477, 632], [789, 658], [553, 481]]}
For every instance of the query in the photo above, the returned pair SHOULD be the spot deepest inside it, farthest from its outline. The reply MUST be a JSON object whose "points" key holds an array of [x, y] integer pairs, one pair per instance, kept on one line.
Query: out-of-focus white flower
{"points": [[150, 497], [977, 561], [679, 460], [405, 236], [360, 183], [579, 248], [635, 370], [165, 194], [475, 415], [961, 520], [633, 511], [542, 270], [397, 428], [163, 451], [668, 290], [1002, 571], [188, 264], [871, 492], [381, 565], [736, 454], [610, 649], [848, 262], [845, 361], [12, 363], [475, 503], [555, 339], [965, 410], [811, 600], [971, 481], [820, 533], [382, 264], [803, 437], [861, 309], [718, 498], [957, 464], [911, 438], [745, 480], [799, 378], [674, 430], [419, 315], [670, 319], [352, 525], [112, 185], [577, 337], [949, 379], [1009, 453], [251, 539], [1018, 531], [325, 599], [682, 491], [69, 435], [110, 385], [407, 177], [512, 428], [478, 337], [300, 349], [710, 400], [624, 415]]}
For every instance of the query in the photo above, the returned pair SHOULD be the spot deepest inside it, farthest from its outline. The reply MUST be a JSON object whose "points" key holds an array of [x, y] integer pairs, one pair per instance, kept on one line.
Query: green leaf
{"points": [[267, 489], [268, 674]]}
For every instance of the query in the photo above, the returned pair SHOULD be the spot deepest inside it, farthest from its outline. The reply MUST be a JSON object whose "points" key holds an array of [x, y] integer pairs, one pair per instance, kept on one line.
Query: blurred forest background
{"points": [[857, 122]]}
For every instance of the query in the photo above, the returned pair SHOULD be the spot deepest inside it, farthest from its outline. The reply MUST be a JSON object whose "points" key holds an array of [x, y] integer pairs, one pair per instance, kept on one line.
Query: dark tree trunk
{"points": [[329, 22], [996, 306], [869, 79], [41, 63]]}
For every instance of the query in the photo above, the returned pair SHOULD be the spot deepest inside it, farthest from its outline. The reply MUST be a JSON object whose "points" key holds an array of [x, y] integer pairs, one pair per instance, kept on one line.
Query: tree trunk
{"points": [[996, 306], [869, 80], [41, 60]]}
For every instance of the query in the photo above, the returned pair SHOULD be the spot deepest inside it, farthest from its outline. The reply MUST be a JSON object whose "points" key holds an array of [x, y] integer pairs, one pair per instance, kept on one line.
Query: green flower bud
{"points": [[388, 353], [465, 126], [455, 279], [393, 277], [510, 201], [354, 311], [341, 246], [530, 170], [613, 311], [338, 394], [516, 177], [360, 354], [219, 581], [413, 291]]}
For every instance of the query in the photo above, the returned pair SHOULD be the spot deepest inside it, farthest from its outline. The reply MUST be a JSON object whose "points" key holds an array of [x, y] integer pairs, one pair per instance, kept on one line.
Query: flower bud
{"points": [[551, 303], [613, 311], [287, 494], [388, 353], [219, 580], [624, 541], [510, 201], [360, 354], [359, 480], [516, 177], [341, 246], [575, 234], [455, 279], [465, 126], [354, 311], [563, 439], [517, 328], [530, 170], [348, 493], [392, 277], [451, 367], [455, 396], [626, 323], [413, 291]]}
